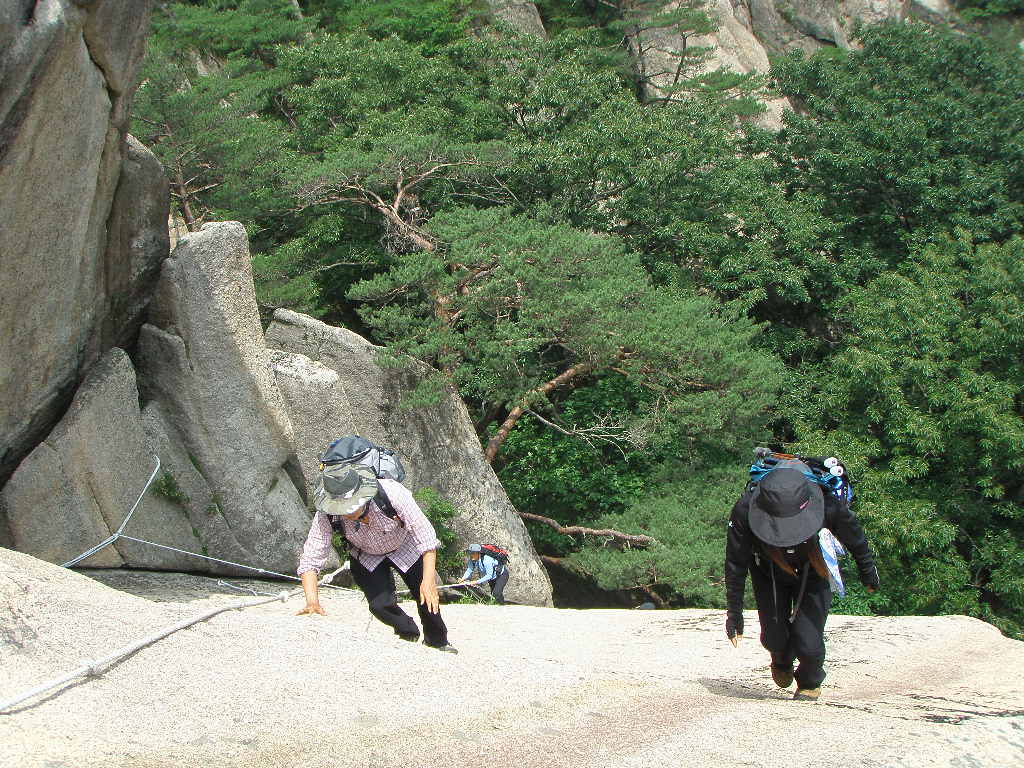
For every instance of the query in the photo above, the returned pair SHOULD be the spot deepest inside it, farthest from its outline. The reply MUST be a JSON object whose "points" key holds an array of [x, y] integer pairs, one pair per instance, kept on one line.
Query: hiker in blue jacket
{"points": [[491, 570], [774, 535]]}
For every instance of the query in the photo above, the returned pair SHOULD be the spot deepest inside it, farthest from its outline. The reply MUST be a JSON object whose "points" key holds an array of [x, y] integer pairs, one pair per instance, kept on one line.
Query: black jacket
{"points": [[739, 548]]}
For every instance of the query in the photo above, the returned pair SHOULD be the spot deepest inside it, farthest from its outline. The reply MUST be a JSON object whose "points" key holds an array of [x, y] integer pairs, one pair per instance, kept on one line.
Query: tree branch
{"points": [[625, 539], [495, 443]]}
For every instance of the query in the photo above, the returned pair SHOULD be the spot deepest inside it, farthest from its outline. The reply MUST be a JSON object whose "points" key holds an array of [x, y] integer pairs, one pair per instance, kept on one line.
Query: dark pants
{"points": [[379, 587], [498, 585], [802, 640]]}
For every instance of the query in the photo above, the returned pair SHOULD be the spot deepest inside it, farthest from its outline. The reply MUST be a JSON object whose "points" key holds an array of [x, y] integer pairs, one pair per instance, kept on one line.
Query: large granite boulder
{"points": [[66, 76], [77, 486], [203, 361], [785, 25], [749, 31], [437, 444], [137, 243], [521, 16], [656, 51]]}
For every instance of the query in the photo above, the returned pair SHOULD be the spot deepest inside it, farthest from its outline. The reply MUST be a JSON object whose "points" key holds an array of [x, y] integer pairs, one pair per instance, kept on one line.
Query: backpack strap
{"points": [[776, 556], [386, 507], [808, 552]]}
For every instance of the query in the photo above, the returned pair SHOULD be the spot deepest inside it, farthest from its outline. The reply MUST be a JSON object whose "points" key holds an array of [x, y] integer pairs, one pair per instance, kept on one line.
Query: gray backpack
{"points": [[344, 453], [354, 449]]}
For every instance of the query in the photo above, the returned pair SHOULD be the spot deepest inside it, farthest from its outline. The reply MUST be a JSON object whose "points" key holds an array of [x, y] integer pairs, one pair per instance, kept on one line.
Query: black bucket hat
{"points": [[786, 508]]}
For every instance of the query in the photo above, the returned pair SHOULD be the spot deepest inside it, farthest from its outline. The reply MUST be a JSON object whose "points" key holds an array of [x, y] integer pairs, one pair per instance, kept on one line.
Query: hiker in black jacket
{"points": [[773, 535]]}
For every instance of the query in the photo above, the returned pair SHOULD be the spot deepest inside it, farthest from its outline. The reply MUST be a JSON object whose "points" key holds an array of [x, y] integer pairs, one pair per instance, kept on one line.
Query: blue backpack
{"points": [[828, 472]]}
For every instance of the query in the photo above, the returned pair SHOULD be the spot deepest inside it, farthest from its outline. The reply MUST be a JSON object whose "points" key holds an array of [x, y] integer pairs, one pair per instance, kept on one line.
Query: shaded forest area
{"points": [[630, 296]]}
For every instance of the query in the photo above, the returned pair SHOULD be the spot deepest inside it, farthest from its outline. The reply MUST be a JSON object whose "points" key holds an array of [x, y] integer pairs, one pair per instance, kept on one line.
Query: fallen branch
{"points": [[626, 539]]}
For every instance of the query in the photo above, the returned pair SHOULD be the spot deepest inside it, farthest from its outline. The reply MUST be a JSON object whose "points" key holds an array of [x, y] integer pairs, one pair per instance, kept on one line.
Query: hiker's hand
{"points": [[869, 578], [310, 609], [734, 629], [428, 596]]}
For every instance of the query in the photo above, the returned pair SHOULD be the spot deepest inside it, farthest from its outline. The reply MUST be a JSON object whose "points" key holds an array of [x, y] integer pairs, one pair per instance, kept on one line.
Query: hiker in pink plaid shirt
{"points": [[378, 543]]}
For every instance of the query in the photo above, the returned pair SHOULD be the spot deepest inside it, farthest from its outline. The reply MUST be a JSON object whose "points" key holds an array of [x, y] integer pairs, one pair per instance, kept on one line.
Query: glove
{"points": [[733, 625], [870, 579]]}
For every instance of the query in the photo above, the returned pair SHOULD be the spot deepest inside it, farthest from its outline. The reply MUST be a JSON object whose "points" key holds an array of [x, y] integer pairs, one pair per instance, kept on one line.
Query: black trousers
{"points": [[803, 639], [379, 587], [498, 585]]}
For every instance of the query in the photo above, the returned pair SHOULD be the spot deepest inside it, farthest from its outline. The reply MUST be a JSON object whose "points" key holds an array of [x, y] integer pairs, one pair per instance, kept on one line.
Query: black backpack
{"points": [[353, 449]]}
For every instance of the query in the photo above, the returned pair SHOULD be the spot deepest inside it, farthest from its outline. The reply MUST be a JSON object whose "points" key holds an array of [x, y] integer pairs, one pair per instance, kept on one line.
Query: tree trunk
{"points": [[186, 208]]}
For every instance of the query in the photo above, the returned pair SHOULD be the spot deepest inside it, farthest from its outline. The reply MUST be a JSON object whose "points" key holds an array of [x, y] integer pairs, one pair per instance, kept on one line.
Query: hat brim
{"points": [[787, 531], [347, 505], [342, 507]]}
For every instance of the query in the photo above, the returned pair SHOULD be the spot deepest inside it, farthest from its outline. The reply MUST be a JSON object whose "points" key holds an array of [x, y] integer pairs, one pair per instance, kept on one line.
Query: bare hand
{"points": [[310, 609], [428, 596]]}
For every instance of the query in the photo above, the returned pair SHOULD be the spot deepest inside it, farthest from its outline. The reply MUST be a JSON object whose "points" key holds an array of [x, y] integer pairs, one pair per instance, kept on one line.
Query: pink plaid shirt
{"points": [[402, 540]]}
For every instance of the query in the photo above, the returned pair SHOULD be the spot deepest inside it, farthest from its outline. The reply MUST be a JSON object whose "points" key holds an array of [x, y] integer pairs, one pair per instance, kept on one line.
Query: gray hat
{"points": [[474, 548], [346, 489], [786, 508]]}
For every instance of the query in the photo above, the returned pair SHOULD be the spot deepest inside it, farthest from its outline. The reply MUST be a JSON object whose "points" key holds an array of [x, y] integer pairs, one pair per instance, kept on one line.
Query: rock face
{"points": [[67, 296], [64, 498], [437, 444], [565, 689], [521, 16], [137, 243], [752, 30], [204, 363]]}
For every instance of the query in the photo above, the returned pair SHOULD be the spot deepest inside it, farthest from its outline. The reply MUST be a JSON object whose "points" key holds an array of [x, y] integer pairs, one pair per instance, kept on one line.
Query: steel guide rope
{"points": [[96, 667]]}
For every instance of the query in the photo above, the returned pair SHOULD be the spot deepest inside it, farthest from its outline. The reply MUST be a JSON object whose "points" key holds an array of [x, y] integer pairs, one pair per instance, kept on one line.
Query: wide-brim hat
{"points": [[786, 508], [347, 489]]}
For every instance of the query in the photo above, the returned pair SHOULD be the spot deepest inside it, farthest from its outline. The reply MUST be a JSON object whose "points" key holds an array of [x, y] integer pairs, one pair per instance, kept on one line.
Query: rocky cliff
{"points": [[237, 426], [333, 385], [77, 270], [749, 32], [117, 355]]}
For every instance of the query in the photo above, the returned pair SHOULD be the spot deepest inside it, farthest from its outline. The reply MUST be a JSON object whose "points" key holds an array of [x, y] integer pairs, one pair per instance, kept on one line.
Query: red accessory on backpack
{"points": [[497, 553]]}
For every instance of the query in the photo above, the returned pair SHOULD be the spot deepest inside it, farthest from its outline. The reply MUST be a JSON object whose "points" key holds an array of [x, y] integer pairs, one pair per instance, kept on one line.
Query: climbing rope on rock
{"points": [[96, 667], [120, 534]]}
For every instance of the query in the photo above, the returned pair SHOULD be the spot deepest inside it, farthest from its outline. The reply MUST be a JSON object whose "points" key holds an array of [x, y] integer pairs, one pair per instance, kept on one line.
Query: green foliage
{"points": [[239, 28], [686, 508], [609, 268], [915, 134], [431, 24], [539, 305], [200, 126], [440, 512], [552, 473], [924, 398], [980, 9], [165, 485]]}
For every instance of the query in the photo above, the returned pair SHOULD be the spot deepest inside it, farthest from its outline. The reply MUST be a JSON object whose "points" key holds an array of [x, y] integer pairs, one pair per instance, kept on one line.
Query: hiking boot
{"points": [[783, 676], [409, 638], [446, 648], [807, 694]]}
